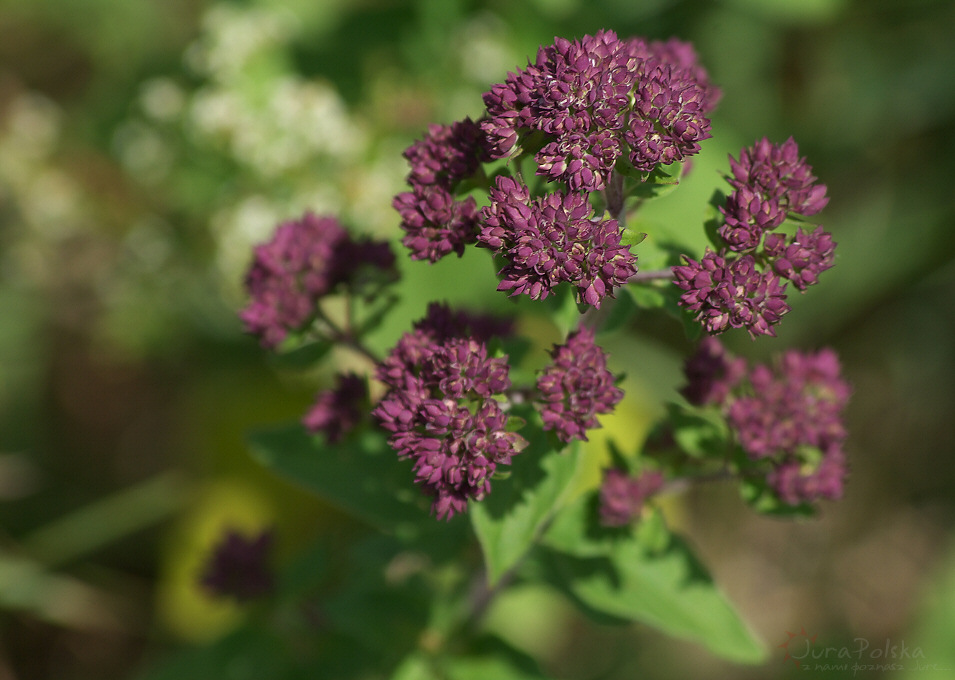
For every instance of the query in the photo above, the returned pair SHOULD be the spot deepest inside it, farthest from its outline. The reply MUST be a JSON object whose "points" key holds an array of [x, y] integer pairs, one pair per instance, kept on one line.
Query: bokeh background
{"points": [[144, 146]]}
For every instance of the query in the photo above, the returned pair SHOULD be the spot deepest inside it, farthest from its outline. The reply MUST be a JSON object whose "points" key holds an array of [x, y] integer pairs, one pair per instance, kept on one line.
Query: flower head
{"points": [[554, 239], [622, 496], [575, 387], [337, 411], [239, 566], [305, 260], [599, 98], [711, 373], [778, 173], [791, 415], [731, 293], [441, 411], [803, 258]]}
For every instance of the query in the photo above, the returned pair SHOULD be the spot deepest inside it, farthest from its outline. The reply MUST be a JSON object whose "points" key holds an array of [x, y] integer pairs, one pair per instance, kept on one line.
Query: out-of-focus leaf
{"points": [[645, 576], [509, 520], [697, 434], [302, 356], [361, 476]]}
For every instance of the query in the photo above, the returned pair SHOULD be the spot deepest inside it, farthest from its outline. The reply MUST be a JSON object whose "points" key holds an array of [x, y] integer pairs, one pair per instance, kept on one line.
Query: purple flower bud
{"points": [[595, 97], [239, 566], [435, 223], [336, 412], [622, 497], [711, 373], [575, 387], [802, 259], [446, 154], [778, 173]]}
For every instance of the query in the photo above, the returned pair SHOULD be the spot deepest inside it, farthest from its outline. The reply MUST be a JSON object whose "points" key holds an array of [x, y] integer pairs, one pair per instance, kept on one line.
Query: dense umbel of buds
{"points": [[575, 387], [239, 566], [555, 239], [743, 285], [441, 411], [598, 99], [337, 411], [305, 260], [623, 496], [788, 415]]}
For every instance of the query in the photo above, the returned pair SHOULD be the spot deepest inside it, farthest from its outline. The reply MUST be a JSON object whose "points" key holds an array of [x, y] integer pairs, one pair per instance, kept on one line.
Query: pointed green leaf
{"points": [[360, 475], [638, 576], [509, 520]]}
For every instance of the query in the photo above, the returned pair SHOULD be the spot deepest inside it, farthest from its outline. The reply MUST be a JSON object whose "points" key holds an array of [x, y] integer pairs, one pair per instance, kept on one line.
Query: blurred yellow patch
{"points": [[183, 606]]}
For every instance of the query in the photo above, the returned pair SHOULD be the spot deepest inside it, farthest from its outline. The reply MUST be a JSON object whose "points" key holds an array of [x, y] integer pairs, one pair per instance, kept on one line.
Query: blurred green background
{"points": [[144, 146]]}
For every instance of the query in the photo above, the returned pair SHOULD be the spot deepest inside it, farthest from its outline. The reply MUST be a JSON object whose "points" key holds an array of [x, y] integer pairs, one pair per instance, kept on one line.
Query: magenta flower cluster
{"points": [[435, 222], [743, 285], [239, 566], [441, 411], [788, 414], [337, 411], [597, 99], [575, 387], [622, 496], [305, 260], [581, 107], [553, 239]]}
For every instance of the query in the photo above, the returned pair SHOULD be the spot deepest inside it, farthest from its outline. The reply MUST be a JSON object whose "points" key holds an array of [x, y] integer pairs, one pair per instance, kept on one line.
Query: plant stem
{"points": [[653, 275]]}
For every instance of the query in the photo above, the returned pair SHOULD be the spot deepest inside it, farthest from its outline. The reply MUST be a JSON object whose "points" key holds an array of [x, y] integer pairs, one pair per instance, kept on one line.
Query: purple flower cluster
{"points": [[305, 260], [622, 496], [711, 373], [435, 222], [553, 239], [441, 411], [239, 566], [742, 285], [337, 411], [597, 99], [575, 387], [788, 414]]}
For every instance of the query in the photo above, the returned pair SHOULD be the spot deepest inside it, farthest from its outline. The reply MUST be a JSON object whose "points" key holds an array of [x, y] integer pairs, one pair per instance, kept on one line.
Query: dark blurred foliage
{"points": [[115, 425]]}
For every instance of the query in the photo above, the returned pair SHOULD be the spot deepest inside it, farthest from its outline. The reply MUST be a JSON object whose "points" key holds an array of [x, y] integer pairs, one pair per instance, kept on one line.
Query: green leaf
{"points": [[647, 295], [757, 494], [644, 576], [699, 433], [510, 519], [656, 184], [495, 659], [302, 356], [360, 475], [622, 310]]}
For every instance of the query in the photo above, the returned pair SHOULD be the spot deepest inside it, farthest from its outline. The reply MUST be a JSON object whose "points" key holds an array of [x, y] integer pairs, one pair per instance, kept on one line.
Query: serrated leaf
{"points": [[509, 520], [361, 476], [656, 580]]}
